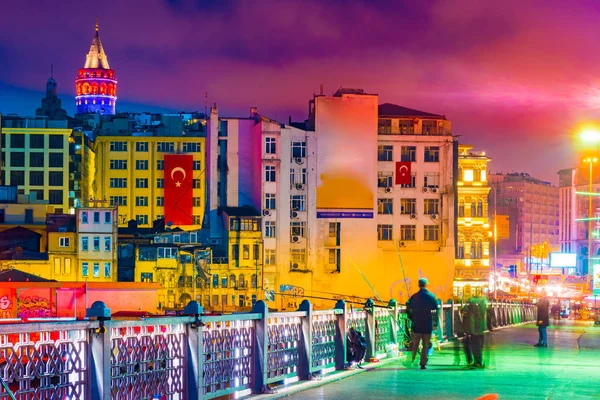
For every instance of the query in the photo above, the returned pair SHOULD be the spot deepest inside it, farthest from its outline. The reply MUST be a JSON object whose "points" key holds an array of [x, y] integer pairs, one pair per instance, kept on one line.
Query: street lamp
{"points": [[591, 161]]}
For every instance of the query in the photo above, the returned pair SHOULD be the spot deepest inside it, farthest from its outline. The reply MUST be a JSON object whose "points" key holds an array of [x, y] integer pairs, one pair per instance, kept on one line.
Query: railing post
{"points": [[305, 350], [393, 305], [450, 324], [370, 329], [340, 335], [100, 352], [261, 347], [195, 360], [439, 331]]}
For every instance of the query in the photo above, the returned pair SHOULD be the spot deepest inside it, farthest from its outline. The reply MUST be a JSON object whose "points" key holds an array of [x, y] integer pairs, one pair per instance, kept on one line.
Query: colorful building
{"points": [[473, 249], [96, 84], [62, 248], [97, 244]]}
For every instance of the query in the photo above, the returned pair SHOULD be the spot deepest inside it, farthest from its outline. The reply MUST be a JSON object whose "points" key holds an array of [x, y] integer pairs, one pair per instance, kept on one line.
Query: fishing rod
{"points": [[402, 269], [7, 389]]}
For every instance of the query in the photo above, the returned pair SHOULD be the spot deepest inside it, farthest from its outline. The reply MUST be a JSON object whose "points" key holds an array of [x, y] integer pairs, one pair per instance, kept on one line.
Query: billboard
{"points": [[563, 260]]}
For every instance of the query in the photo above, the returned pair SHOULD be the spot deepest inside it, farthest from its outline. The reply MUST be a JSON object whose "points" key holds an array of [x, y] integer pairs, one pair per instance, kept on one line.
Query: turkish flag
{"points": [[178, 189], [403, 176]]}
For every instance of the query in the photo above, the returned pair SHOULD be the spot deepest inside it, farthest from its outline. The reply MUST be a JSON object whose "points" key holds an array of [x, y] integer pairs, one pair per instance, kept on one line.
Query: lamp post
{"points": [[590, 161], [495, 243]]}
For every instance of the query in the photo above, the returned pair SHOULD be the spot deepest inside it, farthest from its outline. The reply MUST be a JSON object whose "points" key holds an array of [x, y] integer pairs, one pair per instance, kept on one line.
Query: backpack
{"points": [[357, 346]]}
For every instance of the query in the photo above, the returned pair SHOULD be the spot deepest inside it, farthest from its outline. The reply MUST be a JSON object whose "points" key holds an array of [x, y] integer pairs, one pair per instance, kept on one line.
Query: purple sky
{"points": [[515, 77]]}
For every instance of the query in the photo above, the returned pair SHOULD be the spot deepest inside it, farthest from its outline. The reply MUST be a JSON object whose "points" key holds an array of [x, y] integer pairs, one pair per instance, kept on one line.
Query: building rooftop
{"points": [[96, 58], [393, 110], [14, 275], [244, 211]]}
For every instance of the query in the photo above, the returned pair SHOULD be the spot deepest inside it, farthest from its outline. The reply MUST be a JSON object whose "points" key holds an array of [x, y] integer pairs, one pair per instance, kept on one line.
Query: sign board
{"points": [[503, 226], [596, 280], [344, 214], [563, 260]]}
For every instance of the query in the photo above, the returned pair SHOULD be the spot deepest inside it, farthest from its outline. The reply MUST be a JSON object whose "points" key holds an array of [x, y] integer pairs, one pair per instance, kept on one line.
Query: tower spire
{"points": [[51, 71], [96, 24]]}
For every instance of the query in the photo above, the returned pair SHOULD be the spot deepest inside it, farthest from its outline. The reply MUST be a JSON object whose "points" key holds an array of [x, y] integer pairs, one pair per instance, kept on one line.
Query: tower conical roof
{"points": [[96, 58]]}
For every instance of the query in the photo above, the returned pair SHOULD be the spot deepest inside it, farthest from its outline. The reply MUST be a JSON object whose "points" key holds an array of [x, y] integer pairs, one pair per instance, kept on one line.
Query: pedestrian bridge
{"points": [[264, 354]]}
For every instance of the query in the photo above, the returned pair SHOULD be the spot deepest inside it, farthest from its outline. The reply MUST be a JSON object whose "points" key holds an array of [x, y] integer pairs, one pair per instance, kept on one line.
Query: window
{"points": [[84, 217], [431, 180], [298, 149], [476, 249], [384, 232], [36, 141], [96, 270], [333, 256], [196, 201], [191, 147], [432, 154], [468, 175], [107, 270], [270, 258], [146, 277], [432, 233], [270, 145], [17, 159], [29, 216], [384, 179], [84, 269], [118, 146], [165, 147], [197, 165], [67, 266], [270, 173], [55, 196], [17, 178], [141, 146], [56, 160], [64, 242], [242, 281], [160, 183], [406, 127], [106, 243], [480, 208], [408, 232], [160, 201], [36, 159], [385, 153], [232, 280], [167, 252], [384, 127], [141, 164], [107, 217], [36, 178], [298, 202], [298, 256], [461, 209], [215, 281], [118, 200], [142, 219], [246, 251], [55, 178], [297, 176], [147, 254], [256, 252], [96, 217], [39, 194], [56, 141], [160, 165], [17, 141], [408, 206], [431, 206], [96, 243], [269, 201], [408, 153], [334, 229], [298, 228], [141, 183], [197, 220], [197, 183], [117, 182], [270, 229], [141, 201], [483, 175], [460, 251], [385, 206], [473, 210], [118, 164]]}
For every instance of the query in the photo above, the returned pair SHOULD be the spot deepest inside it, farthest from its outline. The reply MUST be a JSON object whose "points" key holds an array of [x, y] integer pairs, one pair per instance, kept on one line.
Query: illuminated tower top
{"points": [[96, 85]]}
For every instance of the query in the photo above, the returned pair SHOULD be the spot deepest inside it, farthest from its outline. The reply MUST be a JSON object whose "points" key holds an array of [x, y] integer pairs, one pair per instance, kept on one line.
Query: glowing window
{"points": [[483, 175], [468, 175]]}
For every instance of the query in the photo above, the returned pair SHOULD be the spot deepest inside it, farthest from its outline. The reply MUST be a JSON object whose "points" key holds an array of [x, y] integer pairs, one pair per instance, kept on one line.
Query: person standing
{"points": [[475, 324], [543, 320], [421, 307]]}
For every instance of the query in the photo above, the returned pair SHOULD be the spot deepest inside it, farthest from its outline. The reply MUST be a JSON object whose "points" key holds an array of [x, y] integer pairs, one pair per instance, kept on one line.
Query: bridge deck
{"points": [[568, 369]]}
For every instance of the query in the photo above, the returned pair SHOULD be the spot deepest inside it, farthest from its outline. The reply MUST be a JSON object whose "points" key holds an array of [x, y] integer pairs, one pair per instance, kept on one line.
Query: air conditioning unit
{"points": [[434, 216], [299, 160], [299, 186], [413, 216], [402, 244], [388, 189], [295, 239], [434, 190], [266, 212], [294, 214], [425, 188], [295, 266]]}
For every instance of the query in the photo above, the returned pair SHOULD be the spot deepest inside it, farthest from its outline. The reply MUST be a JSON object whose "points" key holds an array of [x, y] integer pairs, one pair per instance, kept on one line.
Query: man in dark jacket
{"points": [[474, 326], [543, 320], [420, 307]]}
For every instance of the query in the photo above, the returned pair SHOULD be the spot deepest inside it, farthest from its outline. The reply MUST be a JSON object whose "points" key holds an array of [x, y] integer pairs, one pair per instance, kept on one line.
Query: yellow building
{"points": [[472, 265], [97, 244], [62, 248], [130, 174]]}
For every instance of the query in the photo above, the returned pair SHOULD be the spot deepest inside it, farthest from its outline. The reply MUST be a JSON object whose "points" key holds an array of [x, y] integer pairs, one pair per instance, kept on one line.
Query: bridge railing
{"points": [[204, 357]]}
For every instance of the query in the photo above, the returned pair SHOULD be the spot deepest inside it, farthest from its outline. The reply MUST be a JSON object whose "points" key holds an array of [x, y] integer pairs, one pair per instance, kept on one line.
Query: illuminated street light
{"points": [[590, 136], [591, 161]]}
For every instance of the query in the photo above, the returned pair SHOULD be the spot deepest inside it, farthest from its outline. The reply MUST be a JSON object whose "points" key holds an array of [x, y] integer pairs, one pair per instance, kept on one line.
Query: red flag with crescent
{"points": [[403, 176], [179, 183]]}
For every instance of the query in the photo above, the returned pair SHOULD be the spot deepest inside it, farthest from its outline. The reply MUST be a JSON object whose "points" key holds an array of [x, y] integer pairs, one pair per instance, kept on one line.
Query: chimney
{"points": [[290, 120], [253, 111]]}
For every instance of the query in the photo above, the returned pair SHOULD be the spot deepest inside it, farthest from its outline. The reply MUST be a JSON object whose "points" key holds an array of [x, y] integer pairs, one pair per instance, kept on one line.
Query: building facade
{"points": [[532, 207], [97, 243], [473, 246]]}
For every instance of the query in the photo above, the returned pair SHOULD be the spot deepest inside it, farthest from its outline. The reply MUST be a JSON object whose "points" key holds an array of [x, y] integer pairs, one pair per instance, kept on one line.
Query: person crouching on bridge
{"points": [[421, 309], [543, 320], [474, 325]]}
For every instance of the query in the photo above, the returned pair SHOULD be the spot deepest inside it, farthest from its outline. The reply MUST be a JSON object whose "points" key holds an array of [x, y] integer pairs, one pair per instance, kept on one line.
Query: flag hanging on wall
{"points": [[403, 176], [179, 189]]}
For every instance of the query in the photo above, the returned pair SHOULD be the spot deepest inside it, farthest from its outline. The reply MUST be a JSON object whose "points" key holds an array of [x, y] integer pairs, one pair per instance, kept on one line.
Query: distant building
{"points": [[51, 104], [96, 84], [97, 243], [532, 206]]}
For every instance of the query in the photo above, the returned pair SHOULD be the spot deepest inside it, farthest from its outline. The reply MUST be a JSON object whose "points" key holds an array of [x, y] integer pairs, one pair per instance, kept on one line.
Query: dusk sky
{"points": [[514, 77]]}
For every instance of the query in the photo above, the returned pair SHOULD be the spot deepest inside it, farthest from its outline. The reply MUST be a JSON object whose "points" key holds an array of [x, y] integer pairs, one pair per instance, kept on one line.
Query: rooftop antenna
{"points": [[205, 104], [321, 89], [51, 70], [96, 23]]}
